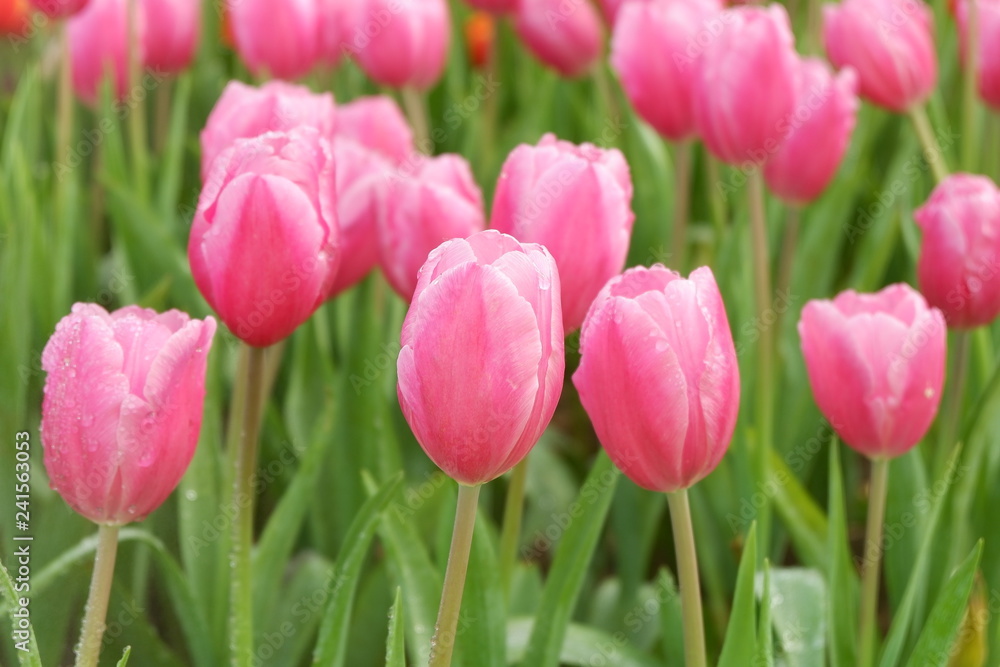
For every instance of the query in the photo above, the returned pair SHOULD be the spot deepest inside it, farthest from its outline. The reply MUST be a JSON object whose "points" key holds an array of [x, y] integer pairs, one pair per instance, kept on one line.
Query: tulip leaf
{"points": [[573, 556], [842, 579], [798, 607], [741, 638], [171, 162], [806, 523], [395, 649], [582, 646], [29, 656], [124, 661], [765, 631]]}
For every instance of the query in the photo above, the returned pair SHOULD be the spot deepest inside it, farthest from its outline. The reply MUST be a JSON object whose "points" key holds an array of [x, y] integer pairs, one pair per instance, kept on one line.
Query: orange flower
{"points": [[13, 17], [226, 28], [480, 33]]}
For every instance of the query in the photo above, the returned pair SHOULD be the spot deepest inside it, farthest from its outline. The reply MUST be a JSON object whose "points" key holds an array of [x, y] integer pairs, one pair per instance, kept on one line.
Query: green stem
{"points": [[603, 86], [935, 156], [814, 28], [872, 556], [717, 197], [950, 415], [416, 111], [162, 122], [490, 110], [764, 401], [687, 571], [136, 114], [970, 135], [241, 590], [92, 636], [511, 532], [788, 243], [682, 199], [443, 642]]}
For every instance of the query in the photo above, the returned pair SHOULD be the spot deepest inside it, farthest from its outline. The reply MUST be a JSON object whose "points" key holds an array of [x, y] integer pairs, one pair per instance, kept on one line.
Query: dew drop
{"points": [[191, 494], [928, 393], [661, 345]]}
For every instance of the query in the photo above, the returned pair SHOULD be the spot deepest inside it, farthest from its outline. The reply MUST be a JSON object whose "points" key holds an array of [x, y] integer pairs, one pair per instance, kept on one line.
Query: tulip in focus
{"points": [[651, 53], [265, 242], [122, 408], [277, 38], [481, 365], [826, 111], [377, 123], [891, 45], [754, 52], [58, 9], [658, 375], [171, 33], [403, 43], [563, 34], [959, 267], [98, 45], [876, 366], [576, 201], [14, 16], [438, 202], [244, 112], [988, 58]]}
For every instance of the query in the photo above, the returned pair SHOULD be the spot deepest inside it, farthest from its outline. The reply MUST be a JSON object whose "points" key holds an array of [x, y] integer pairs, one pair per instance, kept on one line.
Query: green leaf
{"points": [[671, 620], [331, 647], [765, 633], [586, 516], [582, 645], [842, 578], [741, 638], [806, 523], [395, 649], [482, 617], [124, 661], [799, 602], [934, 646], [30, 657]]}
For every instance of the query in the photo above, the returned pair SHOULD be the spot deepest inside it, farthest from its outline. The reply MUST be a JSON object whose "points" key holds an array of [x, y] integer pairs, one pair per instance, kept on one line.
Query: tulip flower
{"points": [[610, 8], [753, 52], [58, 9], [576, 201], [337, 20], [480, 36], [988, 40], [171, 33], [98, 46], [827, 108], [438, 202], [280, 39], [891, 45], [565, 35], [265, 241], [377, 123], [14, 15], [244, 112], [403, 43], [959, 266], [495, 6]]}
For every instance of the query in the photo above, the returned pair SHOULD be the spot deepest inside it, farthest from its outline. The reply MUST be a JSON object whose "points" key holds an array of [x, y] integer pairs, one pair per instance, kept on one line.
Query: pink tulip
{"points": [[576, 201], [959, 266], [654, 51], [171, 33], [753, 52], [265, 241], [98, 46], [890, 44], [876, 366], [481, 365], [377, 123], [658, 375], [563, 34], [826, 110], [244, 112], [122, 409], [988, 58], [276, 38], [337, 21], [403, 42], [611, 8], [438, 202], [59, 8], [495, 6]]}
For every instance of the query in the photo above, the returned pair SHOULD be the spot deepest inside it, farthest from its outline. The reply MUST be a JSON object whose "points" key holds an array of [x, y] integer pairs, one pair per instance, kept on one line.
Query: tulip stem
{"points": [[443, 642], [512, 513], [788, 243], [682, 199], [92, 636], [764, 400], [136, 116], [687, 571], [717, 198], [970, 135], [871, 558], [934, 155], [952, 400], [416, 111], [241, 590], [64, 132]]}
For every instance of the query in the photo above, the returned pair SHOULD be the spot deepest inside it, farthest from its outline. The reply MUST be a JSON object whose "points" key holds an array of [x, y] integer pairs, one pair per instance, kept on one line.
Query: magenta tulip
{"points": [[265, 242], [244, 112], [576, 201], [826, 111], [890, 44], [563, 34], [753, 52], [481, 365], [171, 33], [276, 38], [654, 51], [876, 366], [988, 56], [658, 375], [495, 6], [59, 8], [98, 47], [438, 202], [122, 408], [403, 42], [377, 123], [959, 266]]}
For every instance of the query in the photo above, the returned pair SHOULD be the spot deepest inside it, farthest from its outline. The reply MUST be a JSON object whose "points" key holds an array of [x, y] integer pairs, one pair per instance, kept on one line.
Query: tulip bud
{"points": [[826, 110], [876, 366], [753, 52], [265, 242], [959, 267], [98, 45], [563, 34], [889, 43], [651, 50], [244, 112], [403, 42], [438, 202], [171, 33], [277, 38], [377, 123], [576, 201], [988, 57], [58, 9], [122, 409], [481, 365], [658, 375], [14, 15]]}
